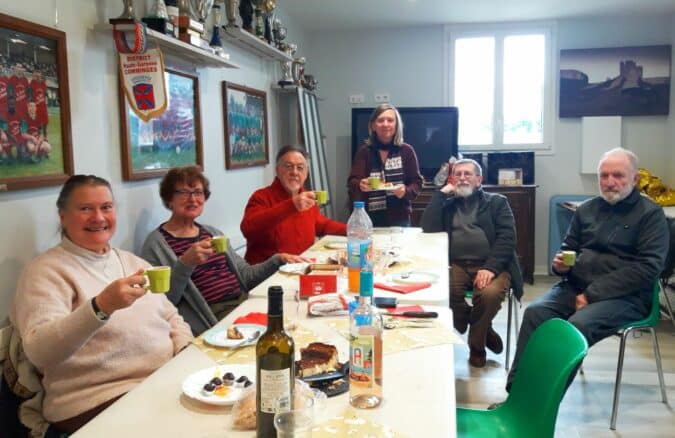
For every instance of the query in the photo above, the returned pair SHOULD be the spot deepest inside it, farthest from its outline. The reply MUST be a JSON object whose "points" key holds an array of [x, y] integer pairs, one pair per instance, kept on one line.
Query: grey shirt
{"points": [[469, 241]]}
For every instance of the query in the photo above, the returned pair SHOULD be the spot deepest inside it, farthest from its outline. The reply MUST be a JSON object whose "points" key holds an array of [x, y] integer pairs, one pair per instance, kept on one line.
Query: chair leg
{"points": [[617, 383], [669, 307], [659, 368], [508, 330]]}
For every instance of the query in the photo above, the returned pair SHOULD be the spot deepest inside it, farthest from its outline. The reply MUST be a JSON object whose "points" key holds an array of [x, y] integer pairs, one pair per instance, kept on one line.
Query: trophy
{"points": [[193, 13], [128, 12], [232, 13], [246, 14], [215, 42], [200, 9], [287, 66], [279, 33], [298, 68]]}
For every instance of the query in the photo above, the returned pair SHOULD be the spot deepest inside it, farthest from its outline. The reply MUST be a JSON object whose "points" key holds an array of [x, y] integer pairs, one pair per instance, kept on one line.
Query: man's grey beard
{"points": [[614, 197], [464, 191]]}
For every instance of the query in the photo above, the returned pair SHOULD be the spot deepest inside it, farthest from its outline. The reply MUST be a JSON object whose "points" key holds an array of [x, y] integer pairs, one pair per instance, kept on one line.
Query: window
{"points": [[500, 78]]}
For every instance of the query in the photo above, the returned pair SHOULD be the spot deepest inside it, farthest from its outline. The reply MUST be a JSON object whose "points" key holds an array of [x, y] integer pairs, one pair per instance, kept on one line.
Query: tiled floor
{"points": [[586, 408]]}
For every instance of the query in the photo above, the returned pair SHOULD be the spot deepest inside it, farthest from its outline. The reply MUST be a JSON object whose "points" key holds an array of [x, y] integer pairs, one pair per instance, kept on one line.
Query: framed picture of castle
{"points": [[617, 81]]}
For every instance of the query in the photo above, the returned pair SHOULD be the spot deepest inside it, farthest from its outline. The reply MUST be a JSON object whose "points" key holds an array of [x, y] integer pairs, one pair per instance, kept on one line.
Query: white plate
{"points": [[293, 268], [414, 277], [335, 244], [392, 188], [217, 336], [193, 385]]}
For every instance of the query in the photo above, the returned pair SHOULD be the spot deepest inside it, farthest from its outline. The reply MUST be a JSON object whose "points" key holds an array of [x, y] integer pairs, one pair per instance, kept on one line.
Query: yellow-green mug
{"points": [[374, 182], [569, 258], [159, 279], [321, 196], [219, 243]]}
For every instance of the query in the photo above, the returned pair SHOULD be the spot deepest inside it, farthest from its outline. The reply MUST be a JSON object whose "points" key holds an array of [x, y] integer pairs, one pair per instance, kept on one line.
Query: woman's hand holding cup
{"points": [[197, 253], [122, 293]]}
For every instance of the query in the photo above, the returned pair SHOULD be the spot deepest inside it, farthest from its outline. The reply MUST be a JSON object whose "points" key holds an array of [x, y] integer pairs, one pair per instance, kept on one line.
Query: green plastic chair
{"points": [[649, 323], [551, 355], [512, 315]]}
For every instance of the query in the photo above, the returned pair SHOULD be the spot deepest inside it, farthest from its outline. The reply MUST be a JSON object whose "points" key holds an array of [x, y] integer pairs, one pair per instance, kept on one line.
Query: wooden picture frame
{"points": [[173, 139], [245, 124], [36, 147]]}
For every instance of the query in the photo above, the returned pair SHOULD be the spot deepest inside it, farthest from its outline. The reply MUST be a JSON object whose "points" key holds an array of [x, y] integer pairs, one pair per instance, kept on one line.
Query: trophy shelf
{"points": [[247, 41], [180, 49]]}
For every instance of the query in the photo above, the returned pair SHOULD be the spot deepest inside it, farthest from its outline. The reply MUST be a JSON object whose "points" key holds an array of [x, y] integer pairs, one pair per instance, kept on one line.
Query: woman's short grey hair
{"points": [[398, 135]]}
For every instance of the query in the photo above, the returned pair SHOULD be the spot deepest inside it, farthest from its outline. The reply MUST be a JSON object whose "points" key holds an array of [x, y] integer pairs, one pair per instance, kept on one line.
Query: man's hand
{"points": [[558, 265], [121, 293], [198, 253], [483, 278], [581, 301], [292, 258], [304, 200], [400, 191], [450, 186], [364, 185]]}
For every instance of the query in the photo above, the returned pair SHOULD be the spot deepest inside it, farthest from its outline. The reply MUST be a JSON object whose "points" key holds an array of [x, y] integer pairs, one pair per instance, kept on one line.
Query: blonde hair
{"points": [[398, 135]]}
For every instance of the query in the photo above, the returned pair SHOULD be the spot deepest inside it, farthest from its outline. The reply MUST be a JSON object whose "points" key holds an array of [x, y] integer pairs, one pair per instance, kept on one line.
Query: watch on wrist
{"points": [[100, 314]]}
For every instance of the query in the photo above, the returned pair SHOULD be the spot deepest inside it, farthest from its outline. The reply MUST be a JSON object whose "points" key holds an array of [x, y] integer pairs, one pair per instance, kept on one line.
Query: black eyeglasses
{"points": [[187, 193]]}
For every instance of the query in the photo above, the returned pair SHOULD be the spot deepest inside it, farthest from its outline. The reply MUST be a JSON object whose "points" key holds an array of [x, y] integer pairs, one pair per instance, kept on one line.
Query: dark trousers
{"points": [[595, 321], [486, 302]]}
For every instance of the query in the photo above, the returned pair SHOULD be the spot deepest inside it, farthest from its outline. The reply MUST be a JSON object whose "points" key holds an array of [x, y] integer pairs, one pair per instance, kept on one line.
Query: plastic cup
{"points": [[297, 422], [321, 196], [219, 243], [374, 182], [569, 258], [159, 279]]}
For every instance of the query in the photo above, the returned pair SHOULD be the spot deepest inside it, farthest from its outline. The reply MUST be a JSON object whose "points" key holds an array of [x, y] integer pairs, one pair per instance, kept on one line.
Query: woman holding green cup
{"points": [[84, 316], [208, 278]]}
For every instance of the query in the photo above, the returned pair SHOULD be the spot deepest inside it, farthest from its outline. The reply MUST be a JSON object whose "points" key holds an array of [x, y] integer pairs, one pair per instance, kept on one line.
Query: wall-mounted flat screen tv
{"points": [[431, 131]]}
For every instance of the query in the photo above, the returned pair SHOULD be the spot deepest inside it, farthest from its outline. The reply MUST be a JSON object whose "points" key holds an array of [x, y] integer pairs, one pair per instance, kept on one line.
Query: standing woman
{"points": [[386, 156], [205, 285], [85, 320]]}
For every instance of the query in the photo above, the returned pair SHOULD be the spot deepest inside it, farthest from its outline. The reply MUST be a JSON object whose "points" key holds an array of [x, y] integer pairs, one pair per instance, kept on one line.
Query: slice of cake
{"points": [[317, 358]]}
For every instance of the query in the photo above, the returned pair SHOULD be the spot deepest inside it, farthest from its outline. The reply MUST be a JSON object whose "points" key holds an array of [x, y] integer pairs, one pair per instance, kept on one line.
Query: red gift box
{"points": [[316, 284]]}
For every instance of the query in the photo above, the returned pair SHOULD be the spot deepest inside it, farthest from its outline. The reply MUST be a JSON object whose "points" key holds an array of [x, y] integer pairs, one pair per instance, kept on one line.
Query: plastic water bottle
{"points": [[359, 245]]}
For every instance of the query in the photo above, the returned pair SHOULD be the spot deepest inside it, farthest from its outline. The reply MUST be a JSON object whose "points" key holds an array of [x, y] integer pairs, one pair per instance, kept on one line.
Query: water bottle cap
{"points": [[358, 204]]}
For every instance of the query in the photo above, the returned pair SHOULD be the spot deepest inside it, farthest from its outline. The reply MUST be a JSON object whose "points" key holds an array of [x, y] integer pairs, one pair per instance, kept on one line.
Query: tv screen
{"points": [[431, 131]]}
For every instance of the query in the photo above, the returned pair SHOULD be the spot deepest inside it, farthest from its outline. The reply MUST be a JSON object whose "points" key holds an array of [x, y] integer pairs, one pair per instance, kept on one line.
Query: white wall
{"points": [[29, 220], [408, 63]]}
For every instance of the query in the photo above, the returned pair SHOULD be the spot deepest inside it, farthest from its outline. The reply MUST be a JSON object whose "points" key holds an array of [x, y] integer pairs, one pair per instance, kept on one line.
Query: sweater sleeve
{"points": [[252, 275], [157, 252], [360, 170], [50, 329], [260, 215], [432, 218], [328, 226], [180, 331], [413, 179], [504, 244]]}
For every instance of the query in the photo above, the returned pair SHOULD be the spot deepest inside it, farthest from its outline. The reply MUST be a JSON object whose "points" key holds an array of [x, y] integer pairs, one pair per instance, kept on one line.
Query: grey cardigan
{"points": [[184, 294]]}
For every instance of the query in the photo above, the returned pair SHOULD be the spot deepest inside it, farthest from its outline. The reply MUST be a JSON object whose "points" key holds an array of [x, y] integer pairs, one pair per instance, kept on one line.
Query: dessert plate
{"points": [[342, 371], [294, 268], [193, 385], [217, 336], [335, 244]]}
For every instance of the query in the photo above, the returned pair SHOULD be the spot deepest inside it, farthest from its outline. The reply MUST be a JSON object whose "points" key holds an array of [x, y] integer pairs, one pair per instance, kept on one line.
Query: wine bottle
{"points": [[275, 367], [365, 348]]}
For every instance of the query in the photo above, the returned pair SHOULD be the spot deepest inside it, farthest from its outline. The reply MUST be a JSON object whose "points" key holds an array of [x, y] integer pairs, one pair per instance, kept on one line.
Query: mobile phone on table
{"points": [[385, 302]]}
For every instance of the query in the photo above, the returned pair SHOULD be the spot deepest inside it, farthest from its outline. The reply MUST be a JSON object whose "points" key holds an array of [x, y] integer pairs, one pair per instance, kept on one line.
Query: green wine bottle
{"points": [[275, 367]]}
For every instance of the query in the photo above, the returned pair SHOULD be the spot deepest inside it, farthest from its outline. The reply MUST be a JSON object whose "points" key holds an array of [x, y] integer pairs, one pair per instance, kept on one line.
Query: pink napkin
{"points": [[252, 318], [403, 289], [400, 309]]}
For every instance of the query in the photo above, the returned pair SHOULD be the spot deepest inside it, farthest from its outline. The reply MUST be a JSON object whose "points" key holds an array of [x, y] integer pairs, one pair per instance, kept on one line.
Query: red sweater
{"points": [[272, 224]]}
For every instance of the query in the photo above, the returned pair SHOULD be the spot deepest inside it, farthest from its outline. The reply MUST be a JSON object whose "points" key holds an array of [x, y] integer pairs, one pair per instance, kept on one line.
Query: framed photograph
{"points": [[173, 139], [510, 177], [245, 113], [35, 137], [616, 81]]}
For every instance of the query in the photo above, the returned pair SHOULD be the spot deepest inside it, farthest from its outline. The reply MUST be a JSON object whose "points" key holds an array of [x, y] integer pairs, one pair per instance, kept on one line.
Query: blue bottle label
{"points": [[359, 253]]}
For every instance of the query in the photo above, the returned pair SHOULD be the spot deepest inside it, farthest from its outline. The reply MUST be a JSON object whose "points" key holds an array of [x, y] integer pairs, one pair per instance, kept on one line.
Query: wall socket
{"points": [[356, 98], [381, 97]]}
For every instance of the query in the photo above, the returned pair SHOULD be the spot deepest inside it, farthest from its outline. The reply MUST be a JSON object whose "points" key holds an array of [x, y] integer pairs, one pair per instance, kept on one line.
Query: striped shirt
{"points": [[214, 279]]}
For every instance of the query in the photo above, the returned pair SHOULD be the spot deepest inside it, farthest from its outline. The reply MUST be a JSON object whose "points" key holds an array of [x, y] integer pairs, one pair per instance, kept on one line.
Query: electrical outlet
{"points": [[356, 98], [381, 97]]}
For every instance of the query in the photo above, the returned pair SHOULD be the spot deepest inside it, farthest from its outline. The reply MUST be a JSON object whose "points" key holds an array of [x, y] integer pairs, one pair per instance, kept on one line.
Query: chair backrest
{"points": [[553, 352], [652, 320]]}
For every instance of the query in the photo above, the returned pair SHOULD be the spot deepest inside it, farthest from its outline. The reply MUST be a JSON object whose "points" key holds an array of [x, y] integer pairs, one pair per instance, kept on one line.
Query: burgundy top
{"points": [[213, 278]]}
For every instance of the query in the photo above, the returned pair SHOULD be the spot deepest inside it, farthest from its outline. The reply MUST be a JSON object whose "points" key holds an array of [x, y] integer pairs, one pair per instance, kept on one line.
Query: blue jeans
{"points": [[596, 321]]}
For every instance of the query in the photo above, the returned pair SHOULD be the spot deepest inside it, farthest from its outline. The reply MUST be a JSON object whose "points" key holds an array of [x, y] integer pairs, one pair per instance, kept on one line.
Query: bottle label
{"points": [[359, 253], [362, 361], [275, 390]]}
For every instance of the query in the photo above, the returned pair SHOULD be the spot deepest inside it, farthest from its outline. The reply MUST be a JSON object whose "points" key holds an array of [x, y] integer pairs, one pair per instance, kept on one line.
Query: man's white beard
{"points": [[464, 191], [615, 197]]}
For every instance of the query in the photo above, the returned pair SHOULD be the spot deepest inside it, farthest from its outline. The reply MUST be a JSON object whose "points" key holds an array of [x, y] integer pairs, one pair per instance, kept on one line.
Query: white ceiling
{"points": [[316, 15]]}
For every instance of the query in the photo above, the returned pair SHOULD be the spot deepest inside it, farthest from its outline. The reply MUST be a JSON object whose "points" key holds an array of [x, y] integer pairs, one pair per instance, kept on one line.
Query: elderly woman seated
{"points": [[205, 285], [86, 321]]}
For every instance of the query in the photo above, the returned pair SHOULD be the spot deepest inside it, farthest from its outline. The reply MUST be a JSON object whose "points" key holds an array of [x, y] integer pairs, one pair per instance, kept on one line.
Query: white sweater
{"points": [[86, 362]]}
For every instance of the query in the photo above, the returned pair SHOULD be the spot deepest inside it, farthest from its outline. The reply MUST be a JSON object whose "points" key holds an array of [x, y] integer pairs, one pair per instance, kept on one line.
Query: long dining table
{"points": [[418, 381]]}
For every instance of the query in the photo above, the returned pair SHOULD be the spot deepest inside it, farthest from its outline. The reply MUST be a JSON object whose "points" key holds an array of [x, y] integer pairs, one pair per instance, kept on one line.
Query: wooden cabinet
{"points": [[522, 202]]}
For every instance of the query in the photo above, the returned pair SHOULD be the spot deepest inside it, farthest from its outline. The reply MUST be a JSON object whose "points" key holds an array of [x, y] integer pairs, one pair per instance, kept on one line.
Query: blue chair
{"points": [[550, 357]]}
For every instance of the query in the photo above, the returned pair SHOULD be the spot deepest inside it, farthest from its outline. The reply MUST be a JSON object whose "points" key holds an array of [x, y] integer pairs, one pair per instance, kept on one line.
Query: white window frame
{"points": [[499, 31]]}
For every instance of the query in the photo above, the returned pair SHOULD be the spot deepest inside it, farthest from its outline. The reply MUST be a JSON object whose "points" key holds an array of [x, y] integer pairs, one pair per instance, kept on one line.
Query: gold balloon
{"points": [[653, 187]]}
